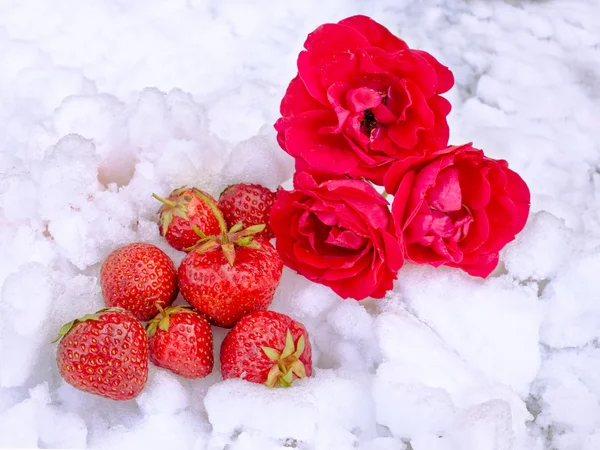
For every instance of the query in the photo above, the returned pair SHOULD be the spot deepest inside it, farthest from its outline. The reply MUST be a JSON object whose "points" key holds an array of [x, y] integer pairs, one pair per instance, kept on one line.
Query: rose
{"points": [[338, 233], [457, 208], [361, 100]]}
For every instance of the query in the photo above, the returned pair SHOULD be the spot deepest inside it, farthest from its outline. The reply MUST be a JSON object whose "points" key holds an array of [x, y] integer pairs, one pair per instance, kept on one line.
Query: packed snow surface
{"points": [[104, 102]]}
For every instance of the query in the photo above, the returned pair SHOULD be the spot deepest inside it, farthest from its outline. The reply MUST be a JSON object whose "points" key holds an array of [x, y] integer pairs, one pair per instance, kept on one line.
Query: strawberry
{"points": [[185, 217], [249, 204], [105, 354], [230, 275], [225, 293], [268, 348], [138, 277], [180, 340]]}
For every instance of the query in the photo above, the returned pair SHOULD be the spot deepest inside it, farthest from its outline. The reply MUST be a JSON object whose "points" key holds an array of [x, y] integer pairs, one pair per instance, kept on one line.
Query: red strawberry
{"points": [[105, 353], [267, 347], [249, 204], [137, 277], [225, 293], [185, 217], [229, 275], [180, 340]]}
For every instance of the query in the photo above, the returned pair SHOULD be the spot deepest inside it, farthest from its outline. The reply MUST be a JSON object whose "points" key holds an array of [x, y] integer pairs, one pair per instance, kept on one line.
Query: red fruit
{"points": [[137, 277], [180, 340], [225, 293], [185, 217], [105, 354], [249, 204], [267, 347]]}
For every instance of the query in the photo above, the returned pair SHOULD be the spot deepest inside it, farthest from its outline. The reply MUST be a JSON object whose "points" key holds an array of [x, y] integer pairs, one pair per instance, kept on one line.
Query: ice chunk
{"points": [[473, 316], [484, 427], [58, 429], [351, 321], [25, 301], [154, 432], [573, 317], [312, 406], [383, 443], [422, 383], [164, 393], [568, 389], [19, 424], [258, 160], [540, 250], [21, 245], [299, 297]]}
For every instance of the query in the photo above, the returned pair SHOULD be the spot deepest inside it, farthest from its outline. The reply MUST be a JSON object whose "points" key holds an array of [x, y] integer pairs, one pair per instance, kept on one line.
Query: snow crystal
{"points": [[164, 393]]}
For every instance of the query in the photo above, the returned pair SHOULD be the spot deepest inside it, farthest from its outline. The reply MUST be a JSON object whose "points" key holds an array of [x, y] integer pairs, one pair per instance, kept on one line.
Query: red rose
{"points": [[457, 208], [338, 233], [361, 100]]}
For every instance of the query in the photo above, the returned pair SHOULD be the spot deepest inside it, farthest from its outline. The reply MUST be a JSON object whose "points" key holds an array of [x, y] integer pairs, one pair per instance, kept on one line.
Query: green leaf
{"points": [[245, 241], [237, 227], [151, 330], [89, 317], [64, 330], [164, 323], [286, 380], [254, 229], [298, 368], [273, 375], [165, 221], [271, 353], [254, 245], [180, 212], [207, 246], [299, 347], [289, 345], [229, 251]]}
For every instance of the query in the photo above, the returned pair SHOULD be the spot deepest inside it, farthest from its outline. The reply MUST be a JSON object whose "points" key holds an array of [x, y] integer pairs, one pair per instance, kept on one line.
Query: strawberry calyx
{"points": [[287, 363], [69, 325], [162, 319], [228, 239], [175, 206]]}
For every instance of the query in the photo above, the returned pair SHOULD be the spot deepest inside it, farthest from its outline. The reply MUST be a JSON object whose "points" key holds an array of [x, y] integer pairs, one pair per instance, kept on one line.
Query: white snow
{"points": [[105, 101]]}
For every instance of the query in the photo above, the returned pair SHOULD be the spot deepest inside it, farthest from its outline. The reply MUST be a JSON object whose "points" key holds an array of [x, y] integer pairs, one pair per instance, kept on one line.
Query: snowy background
{"points": [[104, 102]]}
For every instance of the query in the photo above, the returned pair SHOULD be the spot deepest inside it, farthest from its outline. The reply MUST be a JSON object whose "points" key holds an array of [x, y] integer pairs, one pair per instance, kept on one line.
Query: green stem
{"points": [[218, 214], [164, 200]]}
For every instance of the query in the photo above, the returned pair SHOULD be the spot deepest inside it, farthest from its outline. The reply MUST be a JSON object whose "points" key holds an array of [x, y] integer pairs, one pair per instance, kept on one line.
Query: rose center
{"points": [[453, 225], [368, 123]]}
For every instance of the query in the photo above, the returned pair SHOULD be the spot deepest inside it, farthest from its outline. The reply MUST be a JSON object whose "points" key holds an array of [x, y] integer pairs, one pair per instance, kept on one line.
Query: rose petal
{"points": [[446, 194], [322, 46], [444, 75], [297, 99], [361, 99], [320, 151], [519, 193], [479, 232], [378, 35], [345, 238]]}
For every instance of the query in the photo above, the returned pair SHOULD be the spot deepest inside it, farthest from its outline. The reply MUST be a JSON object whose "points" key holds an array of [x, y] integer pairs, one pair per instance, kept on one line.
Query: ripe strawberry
{"points": [[229, 275], [249, 204], [137, 277], [267, 347], [185, 217], [105, 353], [180, 340], [225, 293]]}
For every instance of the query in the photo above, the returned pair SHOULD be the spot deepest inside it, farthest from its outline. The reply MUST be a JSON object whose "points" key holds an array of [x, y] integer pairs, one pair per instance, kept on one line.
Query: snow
{"points": [[103, 103]]}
